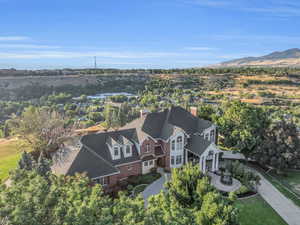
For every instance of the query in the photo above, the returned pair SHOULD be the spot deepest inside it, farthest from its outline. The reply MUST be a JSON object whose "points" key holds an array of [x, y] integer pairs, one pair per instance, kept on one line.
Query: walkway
{"points": [[283, 206], [156, 186], [216, 182]]}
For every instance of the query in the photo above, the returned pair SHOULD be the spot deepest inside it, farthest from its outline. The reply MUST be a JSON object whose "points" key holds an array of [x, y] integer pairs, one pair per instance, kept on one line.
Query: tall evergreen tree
{"points": [[43, 166], [26, 162]]}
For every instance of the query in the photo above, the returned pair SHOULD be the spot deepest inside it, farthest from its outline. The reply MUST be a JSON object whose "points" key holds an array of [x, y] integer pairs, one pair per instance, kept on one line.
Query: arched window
{"points": [[173, 145], [179, 143]]}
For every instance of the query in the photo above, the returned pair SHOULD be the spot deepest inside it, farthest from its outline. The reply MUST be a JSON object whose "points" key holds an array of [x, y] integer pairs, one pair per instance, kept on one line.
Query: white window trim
{"points": [[179, 150], [101, 180], [116, 157], [173, 142], [179, 145], [147, 149], [125, 150]]}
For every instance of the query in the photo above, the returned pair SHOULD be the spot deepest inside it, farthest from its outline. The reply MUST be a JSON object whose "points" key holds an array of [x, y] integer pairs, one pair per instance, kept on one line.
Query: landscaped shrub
{"points": [[242, 190], [246, 177], [143, 179], [129, 187]]}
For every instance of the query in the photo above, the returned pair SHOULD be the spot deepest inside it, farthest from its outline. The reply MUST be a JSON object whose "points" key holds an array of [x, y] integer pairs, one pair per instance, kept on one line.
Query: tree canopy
{"points": [[63, 200], [242, 125], [280, 147]]}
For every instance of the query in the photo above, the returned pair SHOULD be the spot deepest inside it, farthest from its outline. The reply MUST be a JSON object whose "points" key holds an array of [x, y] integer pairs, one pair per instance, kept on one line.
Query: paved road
{"points": [[283, 206], [155, 187]]}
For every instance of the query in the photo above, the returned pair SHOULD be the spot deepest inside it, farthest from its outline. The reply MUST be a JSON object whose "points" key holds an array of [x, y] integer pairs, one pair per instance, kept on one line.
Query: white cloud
{"points": [[199, 48], [104, 54], [276, 8], [27, 46], [13, 38]]}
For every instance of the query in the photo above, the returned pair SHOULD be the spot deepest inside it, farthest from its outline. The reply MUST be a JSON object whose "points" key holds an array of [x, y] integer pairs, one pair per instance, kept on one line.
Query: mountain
{"points": [[288, 58]]}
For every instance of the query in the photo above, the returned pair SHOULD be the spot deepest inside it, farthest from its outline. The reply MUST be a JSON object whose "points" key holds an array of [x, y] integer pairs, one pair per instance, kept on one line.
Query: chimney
{"points": [[193, 111], [144, 112]]}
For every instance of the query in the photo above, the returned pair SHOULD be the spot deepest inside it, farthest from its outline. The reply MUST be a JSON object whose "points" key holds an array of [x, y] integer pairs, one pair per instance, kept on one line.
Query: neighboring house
{"points": [[167, 139]]}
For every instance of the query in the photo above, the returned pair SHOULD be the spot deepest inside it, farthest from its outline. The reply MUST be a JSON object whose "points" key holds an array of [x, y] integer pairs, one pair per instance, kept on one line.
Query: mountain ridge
{"points": [[286, 58]]}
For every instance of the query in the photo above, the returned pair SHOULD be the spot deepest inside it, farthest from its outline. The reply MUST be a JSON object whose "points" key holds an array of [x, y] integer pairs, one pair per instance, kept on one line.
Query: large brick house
{"points": [[166, 139]]}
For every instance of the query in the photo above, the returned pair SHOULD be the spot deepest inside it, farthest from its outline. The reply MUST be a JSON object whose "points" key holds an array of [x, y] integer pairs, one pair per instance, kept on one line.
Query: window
{"points": [[103, 181], [173, 145], [116, 151], [147, 147], [128, 150], [172, 160], [146, 163], [178, 159], [151, 163], [179, 143], [212, 135], [206, 136]]}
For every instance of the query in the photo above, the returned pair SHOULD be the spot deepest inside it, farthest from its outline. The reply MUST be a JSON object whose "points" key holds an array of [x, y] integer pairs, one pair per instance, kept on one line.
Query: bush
{"points": [[242, 190], [130, 187], [143, 179], [247, 178]]}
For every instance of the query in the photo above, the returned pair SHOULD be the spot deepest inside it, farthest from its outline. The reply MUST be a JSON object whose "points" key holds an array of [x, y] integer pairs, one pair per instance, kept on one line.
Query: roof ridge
{"points": [[168, 111]]}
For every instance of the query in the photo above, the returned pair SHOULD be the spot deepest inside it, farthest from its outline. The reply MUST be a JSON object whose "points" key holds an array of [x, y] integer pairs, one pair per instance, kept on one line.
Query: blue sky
{"points": [[37, 34]]}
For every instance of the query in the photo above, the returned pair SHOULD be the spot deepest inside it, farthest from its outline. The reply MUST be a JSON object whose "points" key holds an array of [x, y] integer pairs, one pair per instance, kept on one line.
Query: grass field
{"points": [[284, 92], [255, 211], [293, 178], [9, 155]]}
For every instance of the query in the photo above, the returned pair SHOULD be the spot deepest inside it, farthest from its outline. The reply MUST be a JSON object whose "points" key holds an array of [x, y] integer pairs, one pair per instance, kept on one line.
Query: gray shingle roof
{"points": [[198, 144], [97, 143], [85, 161], [154, 123], [95, 159]]}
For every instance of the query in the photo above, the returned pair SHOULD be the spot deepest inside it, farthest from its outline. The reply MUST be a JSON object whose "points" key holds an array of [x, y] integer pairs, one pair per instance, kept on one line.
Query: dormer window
{"points": [[206, 136], [179, 143], [128, 151]]}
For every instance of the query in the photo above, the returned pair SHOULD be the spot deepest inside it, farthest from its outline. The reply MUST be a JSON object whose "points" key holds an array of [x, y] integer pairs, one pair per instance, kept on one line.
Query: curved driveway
{"points": [[156, 186]]}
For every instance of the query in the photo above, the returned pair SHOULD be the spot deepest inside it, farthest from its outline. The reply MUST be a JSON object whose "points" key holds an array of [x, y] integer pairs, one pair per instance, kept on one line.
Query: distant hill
{"points": [[288, 58]]}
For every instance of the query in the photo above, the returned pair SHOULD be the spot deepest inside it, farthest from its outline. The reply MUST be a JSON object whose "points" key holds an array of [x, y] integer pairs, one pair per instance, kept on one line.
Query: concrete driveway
{"points": [[156, 186], [283, 206]]}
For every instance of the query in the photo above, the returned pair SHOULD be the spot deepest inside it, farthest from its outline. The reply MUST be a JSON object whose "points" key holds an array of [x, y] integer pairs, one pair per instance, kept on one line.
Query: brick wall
{"points": [[151, 147], [166, 148], [132, 169], [136, 169]]}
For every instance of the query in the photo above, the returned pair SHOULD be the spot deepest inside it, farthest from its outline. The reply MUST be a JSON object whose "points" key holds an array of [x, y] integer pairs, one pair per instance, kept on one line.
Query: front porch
{"points": [[209, 161]]}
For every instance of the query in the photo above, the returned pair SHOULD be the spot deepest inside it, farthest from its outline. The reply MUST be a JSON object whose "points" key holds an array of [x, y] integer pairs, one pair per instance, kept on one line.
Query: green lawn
{"points": [[284, 189], [293, 179], [9, 156], [255, 211]]}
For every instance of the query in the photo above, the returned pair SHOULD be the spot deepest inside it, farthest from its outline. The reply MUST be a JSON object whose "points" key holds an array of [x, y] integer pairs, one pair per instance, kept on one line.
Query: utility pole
{"points": [[95, 62]]}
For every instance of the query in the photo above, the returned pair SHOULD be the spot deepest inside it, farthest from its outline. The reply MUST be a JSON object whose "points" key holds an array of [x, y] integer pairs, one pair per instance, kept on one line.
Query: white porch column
{"points": [[217, 161], [186, 156], [201, 161], [213, 166], [204, 164]]}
